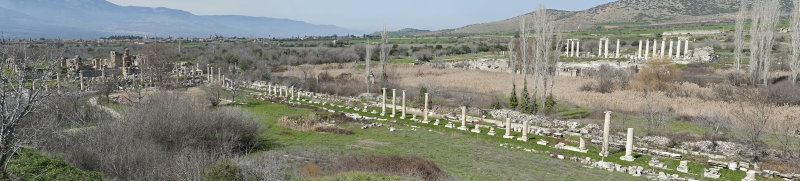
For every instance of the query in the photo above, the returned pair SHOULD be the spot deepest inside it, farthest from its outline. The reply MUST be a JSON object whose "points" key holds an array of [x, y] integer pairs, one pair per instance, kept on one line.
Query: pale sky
{"points": [[369, 15]]}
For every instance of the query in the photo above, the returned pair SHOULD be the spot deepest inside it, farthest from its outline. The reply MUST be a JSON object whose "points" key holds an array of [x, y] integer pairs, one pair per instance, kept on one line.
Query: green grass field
{"points": [[461, 153], [465, 156]]}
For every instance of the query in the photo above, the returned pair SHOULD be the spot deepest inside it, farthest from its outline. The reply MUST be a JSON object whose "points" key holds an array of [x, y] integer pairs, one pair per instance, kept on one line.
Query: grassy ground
{"points": [[465, 156], [470, 156], [29, 165], [360, 176]]}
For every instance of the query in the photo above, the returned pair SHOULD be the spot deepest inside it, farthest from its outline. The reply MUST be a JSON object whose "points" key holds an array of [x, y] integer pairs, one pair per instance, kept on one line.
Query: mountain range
{"points": [[642, 13], [99, 18]]}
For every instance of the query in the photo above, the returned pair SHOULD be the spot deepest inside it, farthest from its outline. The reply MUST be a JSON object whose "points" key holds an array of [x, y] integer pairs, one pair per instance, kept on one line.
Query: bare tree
{"points": [[155, 64], [795, 61], [543, 63], [762, 34], [739, 35], [384, 56], [367, 59], [19, 94], [750, 120]]}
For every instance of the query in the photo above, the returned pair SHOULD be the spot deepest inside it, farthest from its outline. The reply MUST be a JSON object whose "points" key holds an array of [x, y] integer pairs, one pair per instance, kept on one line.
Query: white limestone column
{"points": [[606, 47], [219, 75], [606, 132], [463, 118], [647, 50], [600, 48], [81, 77], [383, 104], [508, 129], [403, 114], [572, 48], [524, 136], [582, 144], [678, 54], [639, 53], [628, 147], [670, 49], [394, 102], [655, 47], [686, 48], [617, 53], [578, 48], [663, 47], [426, 108]]}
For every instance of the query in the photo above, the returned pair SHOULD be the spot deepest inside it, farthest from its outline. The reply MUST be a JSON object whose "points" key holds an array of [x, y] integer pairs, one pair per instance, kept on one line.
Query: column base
{"points": [[491, 133], [627, 158], [463, 128], [476, 131], [508, 137], [525, 139]]}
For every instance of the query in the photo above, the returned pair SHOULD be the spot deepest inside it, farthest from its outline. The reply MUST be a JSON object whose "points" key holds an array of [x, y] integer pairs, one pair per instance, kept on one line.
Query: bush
{"points": [[407, 166], [28, 165], [224, 171], [167, 137], [607, 79], [657, 75]]}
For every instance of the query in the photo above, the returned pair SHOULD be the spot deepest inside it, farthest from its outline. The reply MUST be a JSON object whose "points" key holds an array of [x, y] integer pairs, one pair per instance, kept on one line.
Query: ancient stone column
{"points": [[578, 48], [600, 48], [686, 48], [210, 73], [582, 144], [508, 129], [606, 47], [639, 53], [628, 147], [663, 46], [463, 118], [394, 102], [383, 104], [58, 81], [617, 53], [571, 48], [606, 132], [647, 49], [219, 75], [678, 54], [655, 47], [524, 136], [425, 111], [670, 49], [291, 93], [403, 114], [81, 77]]}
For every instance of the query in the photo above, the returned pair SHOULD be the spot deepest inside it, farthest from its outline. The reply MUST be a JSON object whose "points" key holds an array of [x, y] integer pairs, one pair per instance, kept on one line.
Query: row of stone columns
{"points": [[682, 42], [573, 47]]}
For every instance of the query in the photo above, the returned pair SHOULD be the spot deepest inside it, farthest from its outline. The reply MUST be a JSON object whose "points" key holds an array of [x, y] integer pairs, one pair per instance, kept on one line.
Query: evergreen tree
{"points": [[550, 103], [512, 101], [525, 102]]}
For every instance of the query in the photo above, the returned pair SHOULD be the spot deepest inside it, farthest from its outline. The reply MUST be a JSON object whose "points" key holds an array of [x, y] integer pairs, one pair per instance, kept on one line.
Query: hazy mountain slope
{"points": [[95, 18], [652, 12]]}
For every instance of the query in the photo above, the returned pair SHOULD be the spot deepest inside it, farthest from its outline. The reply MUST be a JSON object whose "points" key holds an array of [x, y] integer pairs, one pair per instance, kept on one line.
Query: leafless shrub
{"points": [[267, 166], [165, 138], [608, 79], [410, 166], [438, 64], [782, 93]]}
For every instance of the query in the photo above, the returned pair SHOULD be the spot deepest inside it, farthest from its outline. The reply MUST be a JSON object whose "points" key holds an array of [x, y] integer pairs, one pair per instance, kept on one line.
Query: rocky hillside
{"points": [[627, 13]]}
